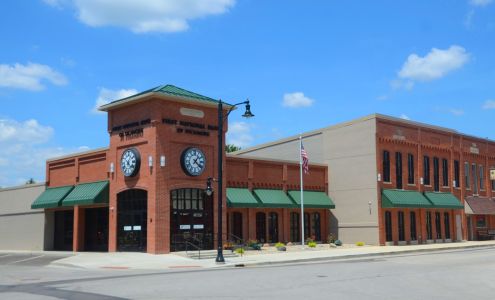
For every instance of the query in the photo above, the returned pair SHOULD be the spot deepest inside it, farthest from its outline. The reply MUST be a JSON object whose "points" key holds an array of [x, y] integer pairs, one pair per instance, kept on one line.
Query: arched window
{"points": [[295, 232], [388, 226], [316, 226], [261, 227], [273, 227]]}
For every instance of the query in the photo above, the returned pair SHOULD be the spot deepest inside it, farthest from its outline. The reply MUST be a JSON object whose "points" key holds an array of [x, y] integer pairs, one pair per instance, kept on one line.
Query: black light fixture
{"points": [[221, 150], [248, 113], [209, 189]]}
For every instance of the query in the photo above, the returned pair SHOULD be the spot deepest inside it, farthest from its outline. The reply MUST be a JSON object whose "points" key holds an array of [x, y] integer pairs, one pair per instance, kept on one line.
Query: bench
{"points": [[486, 234]]}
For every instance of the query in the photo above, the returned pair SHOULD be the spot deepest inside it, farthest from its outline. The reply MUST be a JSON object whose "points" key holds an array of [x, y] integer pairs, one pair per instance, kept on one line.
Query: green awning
{"points": [[404, 199], [274, 198], [444, 200], [52, 197], [312, 199], [238, 197], [88, 193]]}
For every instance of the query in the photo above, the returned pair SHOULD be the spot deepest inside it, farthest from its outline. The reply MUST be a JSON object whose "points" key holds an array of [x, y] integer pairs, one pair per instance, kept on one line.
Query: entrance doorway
{"points": [[191, 220], [96, 229], [132, 216], [64, 230]]}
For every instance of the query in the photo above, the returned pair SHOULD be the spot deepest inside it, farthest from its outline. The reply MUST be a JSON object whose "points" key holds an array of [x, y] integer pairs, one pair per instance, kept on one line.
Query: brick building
{"points": [[393, 181], [146, 191], [401, 182]]}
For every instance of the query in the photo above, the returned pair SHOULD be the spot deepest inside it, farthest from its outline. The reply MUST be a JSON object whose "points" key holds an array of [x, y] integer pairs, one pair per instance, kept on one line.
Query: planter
{"points": [[281, 248]]}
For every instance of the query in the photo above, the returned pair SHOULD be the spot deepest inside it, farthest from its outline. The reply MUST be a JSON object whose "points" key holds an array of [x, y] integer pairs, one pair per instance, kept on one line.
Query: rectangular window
{"points": [[398, 169], [429, 234], [474, 169], [426, 170], [410, 168], [401, 226], [445, 172], [446, 219], [457, 174], [436, 174], [412, 217], [467, 182], [386, 166], [480, 221], [438, 225], [482, 177]]}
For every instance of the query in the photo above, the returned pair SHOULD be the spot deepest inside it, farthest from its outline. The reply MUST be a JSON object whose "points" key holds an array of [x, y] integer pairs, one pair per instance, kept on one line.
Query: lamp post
{"points": [[221, 150]]}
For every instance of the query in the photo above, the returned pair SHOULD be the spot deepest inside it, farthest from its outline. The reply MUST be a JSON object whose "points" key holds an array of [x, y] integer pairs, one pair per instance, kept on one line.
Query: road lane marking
{"points": [[4, 255], [26, 259]]}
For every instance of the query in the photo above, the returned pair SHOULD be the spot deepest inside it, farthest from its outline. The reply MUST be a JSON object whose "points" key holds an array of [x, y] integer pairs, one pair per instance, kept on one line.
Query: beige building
{"points": [[22, 228]]}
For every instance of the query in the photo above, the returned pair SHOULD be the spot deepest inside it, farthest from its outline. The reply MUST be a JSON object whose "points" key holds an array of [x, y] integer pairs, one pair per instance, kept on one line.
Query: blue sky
{"points": [[303, 65]]}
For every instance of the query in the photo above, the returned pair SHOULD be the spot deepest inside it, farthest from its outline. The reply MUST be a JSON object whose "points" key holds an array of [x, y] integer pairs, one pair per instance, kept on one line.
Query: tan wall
{"points": [[21, 228], [350, 152]]}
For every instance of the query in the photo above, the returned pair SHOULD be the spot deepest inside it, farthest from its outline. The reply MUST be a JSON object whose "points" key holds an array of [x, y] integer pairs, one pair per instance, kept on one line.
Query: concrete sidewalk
{"points": [[269, 255]]}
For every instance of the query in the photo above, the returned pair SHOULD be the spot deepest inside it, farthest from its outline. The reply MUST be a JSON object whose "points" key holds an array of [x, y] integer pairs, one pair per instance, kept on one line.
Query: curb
{"points": [[352, 256]]}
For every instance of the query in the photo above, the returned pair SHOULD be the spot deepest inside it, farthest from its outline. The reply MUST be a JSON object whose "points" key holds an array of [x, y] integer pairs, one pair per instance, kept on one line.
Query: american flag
{"points": [[305, 160]]}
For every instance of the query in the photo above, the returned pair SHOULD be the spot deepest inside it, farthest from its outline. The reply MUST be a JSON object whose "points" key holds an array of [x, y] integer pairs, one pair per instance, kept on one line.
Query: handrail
{"points": [[236, 238], [194, 246]]}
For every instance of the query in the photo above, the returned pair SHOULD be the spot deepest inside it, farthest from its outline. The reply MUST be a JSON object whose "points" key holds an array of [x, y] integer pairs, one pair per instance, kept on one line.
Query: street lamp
{"points": [[221, 150]]}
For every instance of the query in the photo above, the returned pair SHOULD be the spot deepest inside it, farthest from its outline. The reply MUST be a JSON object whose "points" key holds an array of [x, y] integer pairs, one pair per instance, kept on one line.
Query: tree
{"points": [[231, 148], [30, 181]]}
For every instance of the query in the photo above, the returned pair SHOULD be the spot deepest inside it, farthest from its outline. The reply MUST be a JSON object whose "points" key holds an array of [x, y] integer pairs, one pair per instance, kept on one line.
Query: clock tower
{"points": [[164, 144]]}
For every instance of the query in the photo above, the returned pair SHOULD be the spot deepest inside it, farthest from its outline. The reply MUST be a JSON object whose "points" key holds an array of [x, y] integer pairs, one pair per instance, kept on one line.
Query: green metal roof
{"points": [[170, 90], [404, 199], [274, 198], [444, 200], [88, 193], [312, 199], [238, 197], [52, 197]]}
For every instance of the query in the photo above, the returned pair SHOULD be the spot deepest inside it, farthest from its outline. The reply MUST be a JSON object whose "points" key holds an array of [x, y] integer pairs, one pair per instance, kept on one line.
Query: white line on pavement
{"points": [[18, 261]]}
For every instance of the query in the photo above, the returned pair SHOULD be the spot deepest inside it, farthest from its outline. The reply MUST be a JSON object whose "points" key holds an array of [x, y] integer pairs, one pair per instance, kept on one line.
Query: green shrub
{"points": [[360, 244], [239, 251], [252, 243], [279, 245], [312, 244]]}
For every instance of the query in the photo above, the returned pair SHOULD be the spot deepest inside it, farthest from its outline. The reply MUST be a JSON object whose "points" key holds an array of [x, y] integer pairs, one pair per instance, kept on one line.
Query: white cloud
{"points": [[106, 96], [456, 112], [30, 132], [405, 117], [239, 134], [146, 16], [436, 64], [24, 150], [29, 77], [297, 99], [489, 104], [480, 2]]}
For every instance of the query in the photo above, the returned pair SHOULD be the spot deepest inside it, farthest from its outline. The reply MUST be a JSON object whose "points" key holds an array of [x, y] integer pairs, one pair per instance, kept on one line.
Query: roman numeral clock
{"points": [[193, 161], [130, 162]]}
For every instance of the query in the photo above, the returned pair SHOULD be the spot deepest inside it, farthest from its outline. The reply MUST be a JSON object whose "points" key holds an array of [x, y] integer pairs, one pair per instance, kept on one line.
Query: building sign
{"points": [[132, 129], [191, 127], [474, 149], [399, 135]]}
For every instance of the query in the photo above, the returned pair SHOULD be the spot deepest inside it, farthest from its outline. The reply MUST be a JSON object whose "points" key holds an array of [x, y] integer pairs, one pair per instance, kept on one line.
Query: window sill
{"points": [[387, 182]]}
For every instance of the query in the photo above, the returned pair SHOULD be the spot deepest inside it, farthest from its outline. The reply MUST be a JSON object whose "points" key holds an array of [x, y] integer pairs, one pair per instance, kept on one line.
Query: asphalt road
{"points": [[461, 274]]}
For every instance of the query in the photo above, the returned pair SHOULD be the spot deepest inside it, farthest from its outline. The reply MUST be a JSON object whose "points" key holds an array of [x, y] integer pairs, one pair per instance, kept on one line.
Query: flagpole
{"points": [[302, 185]]}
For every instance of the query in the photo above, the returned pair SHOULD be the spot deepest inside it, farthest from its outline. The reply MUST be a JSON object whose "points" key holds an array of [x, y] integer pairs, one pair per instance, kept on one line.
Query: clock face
{"points": [[130, 162], [193, 161]]}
